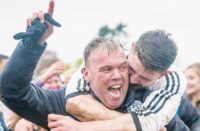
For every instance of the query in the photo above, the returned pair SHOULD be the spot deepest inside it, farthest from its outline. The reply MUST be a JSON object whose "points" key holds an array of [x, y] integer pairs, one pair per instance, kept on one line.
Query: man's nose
{"points": [[116, 74]]}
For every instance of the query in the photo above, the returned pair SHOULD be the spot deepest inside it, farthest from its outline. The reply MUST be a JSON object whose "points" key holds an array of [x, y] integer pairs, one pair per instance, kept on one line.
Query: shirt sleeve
{"points": [[162, 103], [38, 83], [77, 83]]}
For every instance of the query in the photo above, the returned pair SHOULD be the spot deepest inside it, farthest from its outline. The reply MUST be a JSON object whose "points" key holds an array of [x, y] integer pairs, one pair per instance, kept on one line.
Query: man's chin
{"points": [[114, 105]]}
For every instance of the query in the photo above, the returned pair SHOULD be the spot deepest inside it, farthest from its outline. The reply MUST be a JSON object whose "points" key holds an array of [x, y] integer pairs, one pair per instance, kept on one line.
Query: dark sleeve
{"points": [[189, 115], [176, 124], [24, 98]]}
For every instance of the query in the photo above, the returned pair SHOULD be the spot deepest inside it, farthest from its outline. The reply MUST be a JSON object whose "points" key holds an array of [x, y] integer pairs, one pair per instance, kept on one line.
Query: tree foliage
{"points": [[118, 33]]}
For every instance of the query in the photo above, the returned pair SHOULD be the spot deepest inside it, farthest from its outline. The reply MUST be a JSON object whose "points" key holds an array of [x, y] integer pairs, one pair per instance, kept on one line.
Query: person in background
{"points": [[4, 111], [3, 61], [9, 120], [50, 78], [192, 73]]}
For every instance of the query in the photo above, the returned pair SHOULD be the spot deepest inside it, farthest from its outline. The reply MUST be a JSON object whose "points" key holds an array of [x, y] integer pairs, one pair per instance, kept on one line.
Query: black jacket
{"points": [[22, 97], [189, 115], [187, 118]]}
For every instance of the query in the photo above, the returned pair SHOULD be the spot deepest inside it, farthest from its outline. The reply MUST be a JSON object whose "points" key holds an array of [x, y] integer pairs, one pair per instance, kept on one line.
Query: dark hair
{"points": [[95, 43], [2, 57], [156, 50]]}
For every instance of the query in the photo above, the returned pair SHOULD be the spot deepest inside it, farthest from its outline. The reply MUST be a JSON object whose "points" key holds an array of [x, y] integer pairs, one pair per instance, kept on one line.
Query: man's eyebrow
{"points": [[145, 78], [130, 67], [125, 62], [103, 67]]}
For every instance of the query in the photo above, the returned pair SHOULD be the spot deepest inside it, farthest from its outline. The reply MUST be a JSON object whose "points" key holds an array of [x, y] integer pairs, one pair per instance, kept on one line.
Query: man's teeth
{"points": [[116, 87]]}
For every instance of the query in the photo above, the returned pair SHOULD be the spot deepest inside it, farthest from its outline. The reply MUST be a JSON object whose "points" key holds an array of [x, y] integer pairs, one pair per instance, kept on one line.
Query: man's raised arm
{"points": [[16, 90]]}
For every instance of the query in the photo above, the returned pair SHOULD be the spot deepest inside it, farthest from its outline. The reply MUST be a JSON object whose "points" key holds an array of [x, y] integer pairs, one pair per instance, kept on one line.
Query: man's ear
{"points": [[164, 73], [86, 74]]}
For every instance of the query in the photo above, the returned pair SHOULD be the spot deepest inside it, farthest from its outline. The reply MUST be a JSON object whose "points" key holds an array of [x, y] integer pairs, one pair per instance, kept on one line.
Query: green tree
{"points": [[118, 33]]}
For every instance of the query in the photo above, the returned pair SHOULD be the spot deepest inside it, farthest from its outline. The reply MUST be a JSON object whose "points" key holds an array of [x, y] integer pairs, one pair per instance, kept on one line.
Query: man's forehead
{"points": [[106, 51], [106, 58], [135, 63]]}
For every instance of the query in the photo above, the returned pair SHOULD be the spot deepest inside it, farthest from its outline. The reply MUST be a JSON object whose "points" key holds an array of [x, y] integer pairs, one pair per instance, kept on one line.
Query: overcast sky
{"points": [[81, 20]]}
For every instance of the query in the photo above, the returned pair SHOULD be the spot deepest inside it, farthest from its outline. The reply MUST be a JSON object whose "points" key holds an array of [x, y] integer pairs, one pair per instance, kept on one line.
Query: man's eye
{"points": [[123, 68], [106, 70], [145, 79]]}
